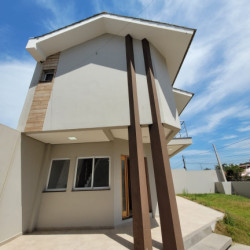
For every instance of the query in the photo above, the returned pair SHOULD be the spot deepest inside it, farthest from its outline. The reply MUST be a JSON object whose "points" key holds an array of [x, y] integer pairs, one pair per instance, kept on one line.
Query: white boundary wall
{"points": [[10, 183], [195, 181], [234, 187]]}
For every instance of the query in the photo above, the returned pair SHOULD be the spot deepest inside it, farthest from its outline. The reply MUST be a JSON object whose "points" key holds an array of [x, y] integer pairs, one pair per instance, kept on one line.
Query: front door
{"points": [[126, 187]]}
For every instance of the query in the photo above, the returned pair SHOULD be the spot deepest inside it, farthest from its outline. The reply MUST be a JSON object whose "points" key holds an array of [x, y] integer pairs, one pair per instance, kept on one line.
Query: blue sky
{"points": [[216, 69]]}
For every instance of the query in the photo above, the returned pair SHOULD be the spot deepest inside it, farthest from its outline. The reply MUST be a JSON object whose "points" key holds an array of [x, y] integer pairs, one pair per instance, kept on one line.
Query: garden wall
{"points": [[195, 181], [234, 187]]}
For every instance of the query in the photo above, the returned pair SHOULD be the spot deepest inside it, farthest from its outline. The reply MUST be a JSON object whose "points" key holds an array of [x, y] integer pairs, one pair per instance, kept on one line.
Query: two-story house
{"points": [[98, 127]]}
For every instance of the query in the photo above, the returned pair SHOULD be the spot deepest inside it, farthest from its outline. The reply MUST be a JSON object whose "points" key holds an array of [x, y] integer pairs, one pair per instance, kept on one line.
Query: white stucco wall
{"points": [[141, 83], [169, 113], [78, 209], [195, 181], [32, 156], [86, 209], [10, 184], [90, 88]]}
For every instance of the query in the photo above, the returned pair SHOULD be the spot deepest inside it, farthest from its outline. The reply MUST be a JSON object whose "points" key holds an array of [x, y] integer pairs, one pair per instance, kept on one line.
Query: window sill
{"points": [[54, 191], [44, 81], [91, 189]]}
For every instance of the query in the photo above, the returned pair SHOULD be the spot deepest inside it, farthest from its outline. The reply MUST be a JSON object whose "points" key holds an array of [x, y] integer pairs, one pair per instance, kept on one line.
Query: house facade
{"points": [[99, 124]]}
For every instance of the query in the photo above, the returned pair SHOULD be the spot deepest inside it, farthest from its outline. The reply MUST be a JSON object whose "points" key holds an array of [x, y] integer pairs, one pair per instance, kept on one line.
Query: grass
{"points": [[236, 222]]}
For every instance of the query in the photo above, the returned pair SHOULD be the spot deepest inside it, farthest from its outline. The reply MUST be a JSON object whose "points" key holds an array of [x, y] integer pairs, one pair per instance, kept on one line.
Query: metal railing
{"points": [[183, 132]]}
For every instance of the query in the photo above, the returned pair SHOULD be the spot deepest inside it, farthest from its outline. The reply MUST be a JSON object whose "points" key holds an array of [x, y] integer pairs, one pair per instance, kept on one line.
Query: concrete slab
{"points": [[193, 217], [213, 242], [239, 247]]}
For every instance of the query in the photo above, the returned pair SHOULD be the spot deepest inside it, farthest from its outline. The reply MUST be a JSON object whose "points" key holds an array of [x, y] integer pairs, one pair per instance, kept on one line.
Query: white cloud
{"points": [[213, 120], [244, 129], [195, 152], [62, 14], [228, 42], [15, 79], [236, 147], [195, 65], [228, 137]]}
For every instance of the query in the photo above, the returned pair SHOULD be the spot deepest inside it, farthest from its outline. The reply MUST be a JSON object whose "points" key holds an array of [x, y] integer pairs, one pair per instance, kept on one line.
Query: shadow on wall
{"points": [[32, 153], [219, 175], [162, 76], [106, 50]]}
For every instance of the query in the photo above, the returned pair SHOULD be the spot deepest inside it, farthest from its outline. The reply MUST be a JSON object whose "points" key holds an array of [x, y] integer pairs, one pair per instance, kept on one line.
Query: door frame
{"points": [[126, 213]]}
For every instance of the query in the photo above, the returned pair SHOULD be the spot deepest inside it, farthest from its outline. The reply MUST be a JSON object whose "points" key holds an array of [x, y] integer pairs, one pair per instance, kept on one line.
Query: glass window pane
{"points": [[101, 173], [123, 187], [48, 77], [59, 174], [84, 173]]}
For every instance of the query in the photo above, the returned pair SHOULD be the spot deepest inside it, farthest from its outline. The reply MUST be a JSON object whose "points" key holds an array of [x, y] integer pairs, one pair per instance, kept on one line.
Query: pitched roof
{"points": [[171, 41]]}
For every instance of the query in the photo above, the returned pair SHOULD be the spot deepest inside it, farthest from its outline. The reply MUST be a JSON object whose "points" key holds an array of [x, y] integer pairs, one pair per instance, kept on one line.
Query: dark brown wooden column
{"points": [[141, 220], [170, 224]]}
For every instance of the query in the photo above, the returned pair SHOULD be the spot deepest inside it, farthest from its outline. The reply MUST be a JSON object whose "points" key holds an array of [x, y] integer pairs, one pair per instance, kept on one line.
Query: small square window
{"points": [[92, 173], [58, 175], [47, 75]]}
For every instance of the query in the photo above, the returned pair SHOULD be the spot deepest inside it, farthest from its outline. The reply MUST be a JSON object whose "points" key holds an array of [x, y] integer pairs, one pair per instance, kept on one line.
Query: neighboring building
{"points": [[246, 167], [81, 117]]}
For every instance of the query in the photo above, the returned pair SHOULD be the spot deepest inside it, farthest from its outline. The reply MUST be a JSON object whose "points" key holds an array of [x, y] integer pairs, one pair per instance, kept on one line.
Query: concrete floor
{"points": [[192, 217]]}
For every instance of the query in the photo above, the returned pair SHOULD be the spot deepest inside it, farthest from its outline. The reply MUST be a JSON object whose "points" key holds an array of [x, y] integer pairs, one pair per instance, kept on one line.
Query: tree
{"points": [[232, 171]]}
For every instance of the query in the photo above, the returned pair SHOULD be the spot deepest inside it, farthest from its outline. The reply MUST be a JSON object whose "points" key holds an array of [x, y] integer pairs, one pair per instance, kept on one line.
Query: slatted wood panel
{"points": [[41, 98]]}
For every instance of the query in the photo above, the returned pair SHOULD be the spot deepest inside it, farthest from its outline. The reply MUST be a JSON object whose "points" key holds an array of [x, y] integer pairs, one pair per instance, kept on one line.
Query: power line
{"points": [[247, 138], [201, 162]]}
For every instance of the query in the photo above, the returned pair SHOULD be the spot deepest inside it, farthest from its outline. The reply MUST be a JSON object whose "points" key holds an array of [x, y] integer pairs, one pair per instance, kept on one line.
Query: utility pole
{"points": [[184, 162], [218, 159]]}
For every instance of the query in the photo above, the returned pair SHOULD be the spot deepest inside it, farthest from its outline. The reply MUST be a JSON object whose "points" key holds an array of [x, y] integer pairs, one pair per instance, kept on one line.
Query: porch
{"points": [[194, 218]]}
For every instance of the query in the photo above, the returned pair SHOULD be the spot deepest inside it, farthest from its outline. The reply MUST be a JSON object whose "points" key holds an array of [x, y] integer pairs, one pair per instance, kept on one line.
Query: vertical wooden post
{"points": [[141, 220], [170, 224]]}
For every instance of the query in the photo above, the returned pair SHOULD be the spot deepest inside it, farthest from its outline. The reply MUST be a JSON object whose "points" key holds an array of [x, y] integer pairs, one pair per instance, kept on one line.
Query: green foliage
{"points": [[185, 191], [236, 222], [228, 219], [232, 171]]}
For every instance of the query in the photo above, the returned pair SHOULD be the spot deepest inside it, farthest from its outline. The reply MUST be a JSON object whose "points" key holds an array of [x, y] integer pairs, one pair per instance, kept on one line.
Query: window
{"points": [[92, 173], [47, 75], [58, 175]]}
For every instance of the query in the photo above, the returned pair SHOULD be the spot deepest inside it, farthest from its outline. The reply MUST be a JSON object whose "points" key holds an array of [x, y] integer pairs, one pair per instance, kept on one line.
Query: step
{"points": [[213, 242], [197, 236]]}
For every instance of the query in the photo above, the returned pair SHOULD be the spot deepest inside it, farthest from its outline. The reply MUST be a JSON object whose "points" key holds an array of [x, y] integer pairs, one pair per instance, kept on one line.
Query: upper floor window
{"points": [[47, 75], [58, 175], [92, 173]]}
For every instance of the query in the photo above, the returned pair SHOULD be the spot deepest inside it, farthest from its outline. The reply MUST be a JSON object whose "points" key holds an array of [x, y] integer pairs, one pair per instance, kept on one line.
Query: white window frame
{"points": [[47, 184], [92, 175]]}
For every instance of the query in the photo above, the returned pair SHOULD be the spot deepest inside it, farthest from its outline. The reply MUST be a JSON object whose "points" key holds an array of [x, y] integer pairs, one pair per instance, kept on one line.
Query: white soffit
{"points": [[62, 137], [182, 98], [176, 145], [171, 41]]}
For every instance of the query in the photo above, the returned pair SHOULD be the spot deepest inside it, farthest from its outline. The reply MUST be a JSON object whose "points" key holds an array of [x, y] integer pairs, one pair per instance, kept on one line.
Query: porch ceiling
{"points": [[178, 144], [104, 135], [77, 136]]}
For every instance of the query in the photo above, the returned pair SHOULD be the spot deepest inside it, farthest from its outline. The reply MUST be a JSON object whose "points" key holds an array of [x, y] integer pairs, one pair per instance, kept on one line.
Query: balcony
{"points": [[183, 131]]}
